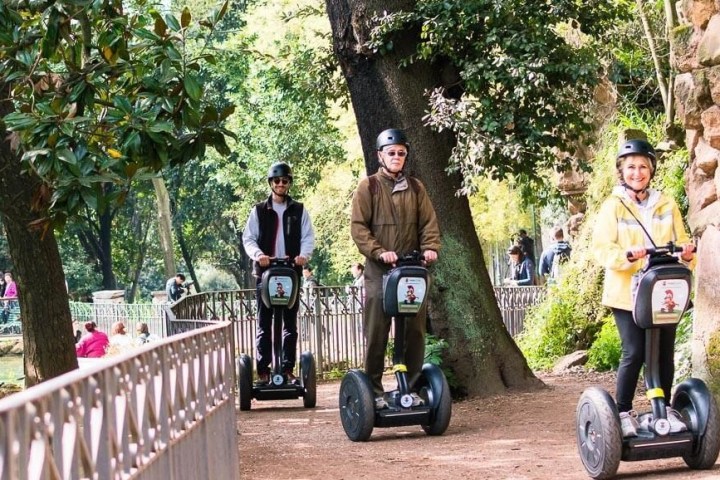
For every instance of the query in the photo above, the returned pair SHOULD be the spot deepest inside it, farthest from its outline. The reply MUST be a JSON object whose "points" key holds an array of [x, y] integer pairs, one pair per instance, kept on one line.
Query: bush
{"points": [[605, 352]]}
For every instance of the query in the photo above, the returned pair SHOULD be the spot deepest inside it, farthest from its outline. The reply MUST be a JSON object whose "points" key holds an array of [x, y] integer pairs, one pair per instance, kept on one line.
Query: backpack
{"points": [[560, 258]]}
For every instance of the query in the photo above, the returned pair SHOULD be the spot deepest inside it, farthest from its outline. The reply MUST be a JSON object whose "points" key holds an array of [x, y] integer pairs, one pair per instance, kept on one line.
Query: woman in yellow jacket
{"points": [[626, 220]]}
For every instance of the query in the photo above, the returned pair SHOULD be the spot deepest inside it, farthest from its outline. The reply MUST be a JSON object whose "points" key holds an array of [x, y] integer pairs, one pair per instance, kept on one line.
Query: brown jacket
{"points": [[376, 227]]}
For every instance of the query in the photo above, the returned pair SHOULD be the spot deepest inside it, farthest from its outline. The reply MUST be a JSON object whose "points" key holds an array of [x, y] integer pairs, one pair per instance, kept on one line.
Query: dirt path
{"points": [[522, 436]]}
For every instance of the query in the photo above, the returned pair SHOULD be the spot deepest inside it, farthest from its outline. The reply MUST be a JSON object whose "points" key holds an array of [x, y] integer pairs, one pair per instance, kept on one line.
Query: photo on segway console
{"points": [[280, 288], [668, 300], [411, 294]]}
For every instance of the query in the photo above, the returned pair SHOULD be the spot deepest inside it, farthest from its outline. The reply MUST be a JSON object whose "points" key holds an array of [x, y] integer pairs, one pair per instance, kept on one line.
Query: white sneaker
{"points": [[677, 423], [417, 400], [629, 423], [381, 403]]}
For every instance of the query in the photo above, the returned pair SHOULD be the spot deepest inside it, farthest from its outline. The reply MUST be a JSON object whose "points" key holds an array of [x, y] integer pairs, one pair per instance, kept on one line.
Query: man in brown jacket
{"points": [[391, 216]]}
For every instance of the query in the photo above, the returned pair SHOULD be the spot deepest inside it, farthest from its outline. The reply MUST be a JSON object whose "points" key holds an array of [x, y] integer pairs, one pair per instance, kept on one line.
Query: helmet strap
{"points": [[637, 192]]}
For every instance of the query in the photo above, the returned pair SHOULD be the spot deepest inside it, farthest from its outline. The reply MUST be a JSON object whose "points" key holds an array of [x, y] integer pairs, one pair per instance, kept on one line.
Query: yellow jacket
{"points": [[616, 231]]}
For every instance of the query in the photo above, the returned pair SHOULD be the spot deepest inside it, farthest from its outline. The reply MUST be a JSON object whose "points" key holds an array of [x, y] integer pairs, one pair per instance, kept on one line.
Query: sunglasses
{"points": [[281, 180], [393, 153]]}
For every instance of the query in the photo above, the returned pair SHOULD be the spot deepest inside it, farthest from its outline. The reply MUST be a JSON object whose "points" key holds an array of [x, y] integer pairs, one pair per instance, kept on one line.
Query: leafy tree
{"points": [[283, 114], [517, 76], [509, 91], [93, 95]]}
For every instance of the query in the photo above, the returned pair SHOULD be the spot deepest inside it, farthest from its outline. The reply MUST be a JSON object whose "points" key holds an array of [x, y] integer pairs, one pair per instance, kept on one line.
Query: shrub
{"points": [[604, 354]]}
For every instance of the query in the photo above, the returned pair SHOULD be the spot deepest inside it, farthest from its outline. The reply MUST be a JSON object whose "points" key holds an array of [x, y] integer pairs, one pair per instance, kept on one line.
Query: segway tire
{"points": [[357, 409], [599, 436], [707, 449], [436, 391], [309, 381], [244, 373]]}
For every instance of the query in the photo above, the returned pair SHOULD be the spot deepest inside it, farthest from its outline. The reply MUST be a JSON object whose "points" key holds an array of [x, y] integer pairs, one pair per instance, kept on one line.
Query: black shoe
{"points": [[290, 378], [263, 379]]}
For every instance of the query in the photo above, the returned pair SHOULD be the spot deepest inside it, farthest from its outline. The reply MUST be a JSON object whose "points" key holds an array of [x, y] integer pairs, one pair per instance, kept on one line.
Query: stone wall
{"points": [[697, 100]]}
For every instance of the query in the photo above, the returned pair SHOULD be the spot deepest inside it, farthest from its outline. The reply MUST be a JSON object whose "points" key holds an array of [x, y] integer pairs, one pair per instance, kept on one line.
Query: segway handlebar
{"points": [[412, 258], [281, 262], [659, 251]]}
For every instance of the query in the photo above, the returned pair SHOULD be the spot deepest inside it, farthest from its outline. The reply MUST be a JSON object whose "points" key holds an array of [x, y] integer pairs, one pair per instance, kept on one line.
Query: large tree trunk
{"points": [[49, 344], [464, 310]]}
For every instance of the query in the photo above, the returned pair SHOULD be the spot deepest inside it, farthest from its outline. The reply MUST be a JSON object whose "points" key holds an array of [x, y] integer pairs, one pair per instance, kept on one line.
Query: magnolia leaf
{"points": [[185, 17], [192, 86]]}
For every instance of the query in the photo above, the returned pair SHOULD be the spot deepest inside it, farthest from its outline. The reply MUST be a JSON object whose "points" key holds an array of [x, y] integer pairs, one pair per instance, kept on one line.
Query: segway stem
{"points": [[652, 373], [399, 366], [277, 340]]}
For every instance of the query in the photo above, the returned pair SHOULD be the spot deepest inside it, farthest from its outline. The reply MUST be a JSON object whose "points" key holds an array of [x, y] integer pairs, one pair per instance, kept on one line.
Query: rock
{"points": [[574, 359], [692, 97], [710, 120], [708, 50], [686, 39], [706, 158]]}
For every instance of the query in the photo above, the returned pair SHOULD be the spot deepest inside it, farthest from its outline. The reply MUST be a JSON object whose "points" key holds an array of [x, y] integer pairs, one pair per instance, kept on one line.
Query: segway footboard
{"points": [[390, 417], [651, 447], [285, 392]]}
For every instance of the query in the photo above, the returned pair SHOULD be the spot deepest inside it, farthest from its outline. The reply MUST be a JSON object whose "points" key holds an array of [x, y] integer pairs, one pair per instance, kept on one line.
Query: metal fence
{"points": [[162, 411], [329, 320], [514, 303], [105, 314]]}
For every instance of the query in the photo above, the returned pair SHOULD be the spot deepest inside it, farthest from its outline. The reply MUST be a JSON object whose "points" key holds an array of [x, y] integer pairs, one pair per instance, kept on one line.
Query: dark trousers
{"points": [[633, 358], [376, 326], [264, 342]]}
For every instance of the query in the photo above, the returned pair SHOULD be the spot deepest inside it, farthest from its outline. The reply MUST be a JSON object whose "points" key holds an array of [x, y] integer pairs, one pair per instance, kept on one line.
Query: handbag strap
{"points": [[639, 223]]}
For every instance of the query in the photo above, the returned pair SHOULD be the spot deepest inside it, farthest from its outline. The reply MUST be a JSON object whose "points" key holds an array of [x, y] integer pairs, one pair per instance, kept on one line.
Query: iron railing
{"points": [[514, 303], [329, 320], [161, 411]]}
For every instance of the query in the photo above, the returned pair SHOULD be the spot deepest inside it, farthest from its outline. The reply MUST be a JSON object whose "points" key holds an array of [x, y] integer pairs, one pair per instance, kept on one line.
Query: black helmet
{"points": [[637, 147], [280, 169], [391, 136]]}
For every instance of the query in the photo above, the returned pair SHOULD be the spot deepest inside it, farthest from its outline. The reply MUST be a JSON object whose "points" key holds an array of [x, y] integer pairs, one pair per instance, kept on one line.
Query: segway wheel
{"points": [[707, 448], [244, 373], [309, 381], [357, 409], [434, 389], [599, 436]]}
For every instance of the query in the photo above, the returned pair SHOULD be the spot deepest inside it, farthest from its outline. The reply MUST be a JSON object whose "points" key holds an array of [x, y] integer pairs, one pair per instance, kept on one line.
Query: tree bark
{"points": [[49, 343], [187, 257], [165, 226], [464, 310]]}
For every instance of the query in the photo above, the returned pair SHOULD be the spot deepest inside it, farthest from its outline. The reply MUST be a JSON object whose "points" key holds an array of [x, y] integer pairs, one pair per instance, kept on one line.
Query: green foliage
{"points": [[605, 352], [683, 348], [434, 348], [104, 94], [523, 74], [630, 65], [567, 320], [497, 210]]}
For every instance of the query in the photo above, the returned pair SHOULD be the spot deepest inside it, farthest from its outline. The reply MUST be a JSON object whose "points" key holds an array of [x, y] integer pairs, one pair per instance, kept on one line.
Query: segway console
{"points": [[661, 296], [279, 287], [428, 404]]}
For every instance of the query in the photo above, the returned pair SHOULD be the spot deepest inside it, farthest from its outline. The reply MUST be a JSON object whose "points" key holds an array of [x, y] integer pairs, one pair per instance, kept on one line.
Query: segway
{"points": [[599, 433], [279, 291], [404, 294]]}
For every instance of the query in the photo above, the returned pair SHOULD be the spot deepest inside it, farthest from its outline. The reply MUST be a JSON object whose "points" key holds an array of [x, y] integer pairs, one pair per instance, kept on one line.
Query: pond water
{"points": [[11, 369]]}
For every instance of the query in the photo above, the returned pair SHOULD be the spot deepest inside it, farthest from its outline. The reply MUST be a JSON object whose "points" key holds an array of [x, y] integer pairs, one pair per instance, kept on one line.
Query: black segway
{"points": [[404, 294], [279, 290], [663, 295]]}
